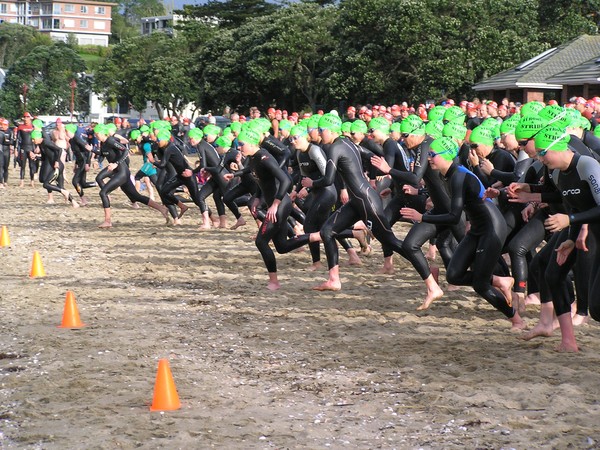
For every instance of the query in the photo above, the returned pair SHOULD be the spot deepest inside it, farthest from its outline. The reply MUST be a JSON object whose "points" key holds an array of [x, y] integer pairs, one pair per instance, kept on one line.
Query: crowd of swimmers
{"points": [[509, 194]]}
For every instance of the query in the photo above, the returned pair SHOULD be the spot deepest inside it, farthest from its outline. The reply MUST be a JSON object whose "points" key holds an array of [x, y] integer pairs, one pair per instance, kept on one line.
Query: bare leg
{"points": [[431, 252], [223, 221], [567, 343], [361, 237], [333, 283], [160, 208], [50, 200], [316, 266], [533, 299], [518, 324], [107, 219], [545, 326], [433, 292], [505, 285], [518, 301], [182, 209], [206, 222]]}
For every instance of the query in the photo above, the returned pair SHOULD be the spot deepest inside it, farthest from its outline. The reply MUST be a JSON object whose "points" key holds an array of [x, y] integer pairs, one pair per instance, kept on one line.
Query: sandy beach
{"points": [[290, 369]]}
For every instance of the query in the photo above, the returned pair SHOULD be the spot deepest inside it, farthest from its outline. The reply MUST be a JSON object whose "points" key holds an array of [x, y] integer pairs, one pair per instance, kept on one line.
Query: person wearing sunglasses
{"points": [[475, 258], [575, 177], [274, 184], [344, 159]]}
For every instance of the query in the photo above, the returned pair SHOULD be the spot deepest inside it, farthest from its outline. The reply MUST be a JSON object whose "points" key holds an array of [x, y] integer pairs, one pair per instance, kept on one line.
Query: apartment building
{"points": [[88, 21]]}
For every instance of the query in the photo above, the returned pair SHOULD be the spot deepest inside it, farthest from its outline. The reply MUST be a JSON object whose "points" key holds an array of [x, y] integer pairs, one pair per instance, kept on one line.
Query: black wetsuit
{"points": [[173, 156], [82, 158], [117, 153], [6, 141], [273, 184], [26, 151], [51, 172], [482, 245], [216, 185], [344, 158]]}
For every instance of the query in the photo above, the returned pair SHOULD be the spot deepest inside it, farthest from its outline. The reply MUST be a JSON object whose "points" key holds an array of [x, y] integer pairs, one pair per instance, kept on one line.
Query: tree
{"points": [[230, 13], [18, 40], [564, 20], [48, 72]]}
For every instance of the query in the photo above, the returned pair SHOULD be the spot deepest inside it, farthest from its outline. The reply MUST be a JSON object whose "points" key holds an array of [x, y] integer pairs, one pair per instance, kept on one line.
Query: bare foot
{"points": [[452, 287], [540, 329], [83, 201], [182, 211], [135, 205], [315, 266], [50, 201], [387, 269], [205, 226], [578, 320], [328, 286], [505, 285], [273, 286], [74, 203], [105, 225], [239, 223], [566, 348], [518, 324], [354, 260], [431, 297], [533, 299], [22, 183]]}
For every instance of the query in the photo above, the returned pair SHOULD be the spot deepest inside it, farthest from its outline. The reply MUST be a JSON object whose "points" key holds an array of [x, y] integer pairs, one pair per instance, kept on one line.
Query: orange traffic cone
{"points": [[4, 239], [37, 268], [71, 315], [165, 393]]}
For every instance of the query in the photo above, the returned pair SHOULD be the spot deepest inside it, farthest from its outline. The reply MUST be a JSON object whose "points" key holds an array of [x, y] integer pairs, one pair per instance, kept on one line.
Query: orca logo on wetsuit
{"points": [[571, 192], [595, 184]]}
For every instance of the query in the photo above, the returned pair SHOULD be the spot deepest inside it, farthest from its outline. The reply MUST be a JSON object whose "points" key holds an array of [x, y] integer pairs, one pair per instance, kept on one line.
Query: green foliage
{"points": [[17, 40], [48, 71], [564, 20], [230, 13]]}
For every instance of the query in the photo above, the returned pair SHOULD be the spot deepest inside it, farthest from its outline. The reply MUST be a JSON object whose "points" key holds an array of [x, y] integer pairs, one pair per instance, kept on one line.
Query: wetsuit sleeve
{"points": [[166, 157], [371, 146], [329, 177], [122, 149], [318, 156], [278, 173], [278, 150], [457, 203], [414, 178], [589, 171]]}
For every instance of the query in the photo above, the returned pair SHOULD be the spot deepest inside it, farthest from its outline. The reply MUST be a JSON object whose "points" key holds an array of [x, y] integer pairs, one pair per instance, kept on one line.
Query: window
{"points": [[46, 24], [83, 9], [3, 8], [56, 8], [56, 24], [99, 25], [46, 9], [83, 23], [35, 23], [100, 10], [69, 8]]}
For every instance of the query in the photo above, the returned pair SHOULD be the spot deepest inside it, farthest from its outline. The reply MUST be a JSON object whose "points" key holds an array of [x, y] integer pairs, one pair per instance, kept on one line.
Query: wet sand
{"points": [[296, 368]]}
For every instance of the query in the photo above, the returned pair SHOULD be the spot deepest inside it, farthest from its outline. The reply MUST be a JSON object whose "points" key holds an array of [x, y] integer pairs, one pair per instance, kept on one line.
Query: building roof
{"points": [[586, 73], [540, 71]]}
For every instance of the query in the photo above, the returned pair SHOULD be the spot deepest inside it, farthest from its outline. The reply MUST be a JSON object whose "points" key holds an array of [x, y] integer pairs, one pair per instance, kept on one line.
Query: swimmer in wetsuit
{"points": [[82, 154], [482, 245], [344, 158], [273, 185]]}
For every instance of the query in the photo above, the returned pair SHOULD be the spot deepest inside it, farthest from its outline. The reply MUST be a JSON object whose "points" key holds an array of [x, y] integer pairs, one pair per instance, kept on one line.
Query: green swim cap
{"points": [[493, 125], [528, 126], [226, 131], [236, 127], [597, 131], [163, 135], [313, 121], [482, 135], [37, 124], [36, 134], [509, 125], [552, 113], [381, 124], [436, 113], [161, 125], [100, 129], [212, 130], [346, 127], [134, 135], [434, 128], [585, 123], [331, 122], [395, 128], [261, 125], [531, 109], [454, 130], [111, 128], [359, 126], [412, 125], [249, 136], [285, 124], [71, 128], [552, 138], [455, 114], [144, 129], [298, 130], [223, 141], [445, 147], [195, 133]]}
